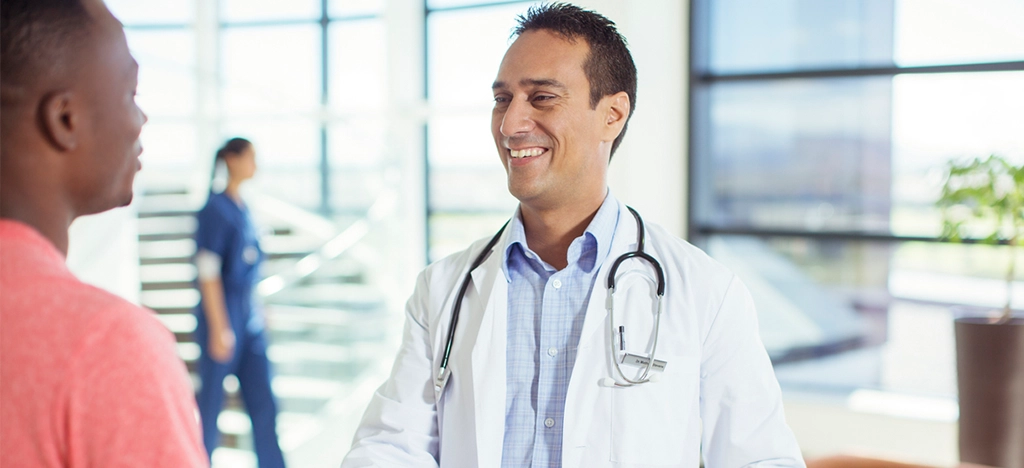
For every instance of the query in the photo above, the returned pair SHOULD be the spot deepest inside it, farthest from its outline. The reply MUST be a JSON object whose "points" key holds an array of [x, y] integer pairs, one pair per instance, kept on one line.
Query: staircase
{"points": [[324, 331]]}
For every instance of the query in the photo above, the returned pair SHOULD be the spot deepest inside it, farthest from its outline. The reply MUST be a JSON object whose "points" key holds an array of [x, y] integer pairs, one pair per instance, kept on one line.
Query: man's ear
{"points": [[60, 120], [617, 112]]}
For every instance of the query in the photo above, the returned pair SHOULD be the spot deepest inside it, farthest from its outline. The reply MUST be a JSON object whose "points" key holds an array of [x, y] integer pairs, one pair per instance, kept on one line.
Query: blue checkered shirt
{"points": [[545, 318]]}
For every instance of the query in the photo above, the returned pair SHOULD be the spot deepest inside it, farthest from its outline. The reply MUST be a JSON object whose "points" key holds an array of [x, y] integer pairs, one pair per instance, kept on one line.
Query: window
{"points": [[304, 80], [465, 44], [819, 131]]}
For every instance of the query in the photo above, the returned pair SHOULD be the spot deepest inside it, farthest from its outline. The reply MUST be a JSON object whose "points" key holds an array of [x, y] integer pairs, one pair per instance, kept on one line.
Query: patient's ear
{"points": [[60, 119]]}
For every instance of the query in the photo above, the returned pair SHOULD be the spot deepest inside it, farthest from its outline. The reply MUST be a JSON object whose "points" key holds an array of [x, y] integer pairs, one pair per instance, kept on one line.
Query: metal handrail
{"points": [[381, 208]]}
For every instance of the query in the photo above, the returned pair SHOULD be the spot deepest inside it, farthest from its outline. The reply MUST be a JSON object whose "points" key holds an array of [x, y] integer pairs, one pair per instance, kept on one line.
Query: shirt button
{"points": [[552, 351], [557, 283], [549, 422]]}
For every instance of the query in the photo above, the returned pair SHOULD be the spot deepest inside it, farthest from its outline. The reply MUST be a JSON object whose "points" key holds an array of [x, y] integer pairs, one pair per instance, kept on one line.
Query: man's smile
{"points": [[526, 152]]}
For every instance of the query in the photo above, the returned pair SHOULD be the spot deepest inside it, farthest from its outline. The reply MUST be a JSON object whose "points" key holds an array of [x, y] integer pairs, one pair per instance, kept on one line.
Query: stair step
{"points": [[165, 204], [167, 249], [169, 273], [189, 352], [155, 189], [225, 456], [167, 276], [179, 324], [167, 225], [340, 296], [166, 299]]}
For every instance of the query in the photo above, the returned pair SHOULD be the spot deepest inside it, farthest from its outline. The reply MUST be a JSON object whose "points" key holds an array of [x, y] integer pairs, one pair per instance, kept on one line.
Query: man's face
{"points": [[550, 141], [108, 158]]}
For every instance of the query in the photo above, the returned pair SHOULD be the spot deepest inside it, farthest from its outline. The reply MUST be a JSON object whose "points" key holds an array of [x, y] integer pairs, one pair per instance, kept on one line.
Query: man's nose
{"points": [[518, 118]]}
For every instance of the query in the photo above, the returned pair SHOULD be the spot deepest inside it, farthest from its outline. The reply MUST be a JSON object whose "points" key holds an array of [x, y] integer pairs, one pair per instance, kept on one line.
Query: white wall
{"points": [[649, 170], [103, 250]]}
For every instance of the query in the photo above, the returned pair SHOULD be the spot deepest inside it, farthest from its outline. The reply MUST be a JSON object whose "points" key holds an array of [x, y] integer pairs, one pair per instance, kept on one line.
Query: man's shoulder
{"points": [[672, 243], [69, 308]]}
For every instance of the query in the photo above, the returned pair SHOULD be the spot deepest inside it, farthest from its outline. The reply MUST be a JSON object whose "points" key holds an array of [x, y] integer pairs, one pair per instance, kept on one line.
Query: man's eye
{"points": [[500, 99]]}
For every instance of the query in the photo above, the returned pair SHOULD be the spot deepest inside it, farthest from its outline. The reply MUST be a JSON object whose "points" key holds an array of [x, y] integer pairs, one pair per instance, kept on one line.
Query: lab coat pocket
{"points": [[651, 422]]}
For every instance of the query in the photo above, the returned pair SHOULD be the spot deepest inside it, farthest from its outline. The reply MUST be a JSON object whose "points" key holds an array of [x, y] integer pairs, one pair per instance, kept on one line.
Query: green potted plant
{"points": [[984, 197]]}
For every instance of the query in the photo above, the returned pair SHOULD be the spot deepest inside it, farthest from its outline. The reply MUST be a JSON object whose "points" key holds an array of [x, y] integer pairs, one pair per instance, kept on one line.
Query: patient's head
{"points": [[69, 137]]}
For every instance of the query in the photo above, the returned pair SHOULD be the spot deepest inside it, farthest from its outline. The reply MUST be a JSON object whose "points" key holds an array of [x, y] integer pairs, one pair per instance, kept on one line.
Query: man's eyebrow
{"points": [[532, 82], [545, 82]]}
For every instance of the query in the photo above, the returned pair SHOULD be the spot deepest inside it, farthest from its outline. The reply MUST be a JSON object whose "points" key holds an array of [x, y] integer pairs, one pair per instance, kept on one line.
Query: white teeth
{"points": [[526, 152]]}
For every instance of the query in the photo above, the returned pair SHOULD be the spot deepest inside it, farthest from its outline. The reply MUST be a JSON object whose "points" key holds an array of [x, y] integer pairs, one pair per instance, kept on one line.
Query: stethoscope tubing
{"points": [[462, 293], [442, 376]]}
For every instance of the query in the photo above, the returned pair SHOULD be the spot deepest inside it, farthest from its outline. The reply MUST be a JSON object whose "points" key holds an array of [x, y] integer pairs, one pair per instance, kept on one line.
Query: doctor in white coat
{"points": [[542, 358]]}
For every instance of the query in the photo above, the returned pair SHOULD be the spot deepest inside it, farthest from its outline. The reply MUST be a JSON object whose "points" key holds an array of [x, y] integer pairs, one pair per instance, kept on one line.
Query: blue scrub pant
{"points": [[252, 368]]}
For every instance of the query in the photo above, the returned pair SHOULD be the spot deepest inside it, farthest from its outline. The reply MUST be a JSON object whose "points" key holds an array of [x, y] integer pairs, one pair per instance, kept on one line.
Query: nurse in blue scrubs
{"points": [[230, 329]]}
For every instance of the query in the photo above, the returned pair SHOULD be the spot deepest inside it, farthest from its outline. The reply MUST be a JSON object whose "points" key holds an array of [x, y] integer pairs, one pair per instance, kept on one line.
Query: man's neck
{"points": [[52, 226], [550, 232]]}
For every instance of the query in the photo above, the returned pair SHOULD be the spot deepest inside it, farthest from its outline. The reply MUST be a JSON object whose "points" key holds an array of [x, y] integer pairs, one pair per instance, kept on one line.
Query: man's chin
{"points": [[126, 200]]}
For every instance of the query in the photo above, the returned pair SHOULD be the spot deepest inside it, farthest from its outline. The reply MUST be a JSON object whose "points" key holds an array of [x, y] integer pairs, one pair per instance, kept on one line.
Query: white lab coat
{"points": [[717, 372]]}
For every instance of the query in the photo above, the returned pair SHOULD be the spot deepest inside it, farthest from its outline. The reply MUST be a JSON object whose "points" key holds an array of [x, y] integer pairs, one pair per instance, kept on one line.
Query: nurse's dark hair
{"points": [[38, 39], [231, 148], [609, 66]]}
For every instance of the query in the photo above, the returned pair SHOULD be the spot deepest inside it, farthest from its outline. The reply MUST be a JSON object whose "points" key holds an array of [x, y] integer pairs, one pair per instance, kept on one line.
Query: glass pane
{"points": [[452, 232], [465, 171], [770, 36], [167, 77], [169, 145], [957, 31], [937, 118], [341, 8], [358, 63], [463, 139], [465, 48], [269, 10], [271, 70], [457, 3], [134, 12], [845, 315], [802, 34], [288, 156], [798, 154], [358, 173]]}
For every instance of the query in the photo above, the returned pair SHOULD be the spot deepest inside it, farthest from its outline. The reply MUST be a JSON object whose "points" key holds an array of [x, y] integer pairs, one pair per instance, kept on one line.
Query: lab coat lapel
{"points": [[592, 352], [488, 358], [624, 240]]}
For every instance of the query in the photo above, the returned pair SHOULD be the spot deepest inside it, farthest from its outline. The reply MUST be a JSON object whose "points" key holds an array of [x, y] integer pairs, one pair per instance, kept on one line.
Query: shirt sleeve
{"points": [[213, 232], [741, 402], [129, 400]]}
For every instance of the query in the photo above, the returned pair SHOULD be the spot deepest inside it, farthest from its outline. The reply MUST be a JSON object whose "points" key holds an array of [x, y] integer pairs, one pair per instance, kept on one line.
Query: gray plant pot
{"points": [[990, 375]]}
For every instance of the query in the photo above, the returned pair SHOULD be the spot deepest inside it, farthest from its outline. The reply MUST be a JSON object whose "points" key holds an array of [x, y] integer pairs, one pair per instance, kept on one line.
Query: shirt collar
{"points": [[23, 241], [601, 229]]}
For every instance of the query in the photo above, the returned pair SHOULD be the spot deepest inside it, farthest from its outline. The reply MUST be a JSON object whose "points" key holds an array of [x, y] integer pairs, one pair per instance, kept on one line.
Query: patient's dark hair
{"points": [[609, 67], [231, 148], [39, 38]]}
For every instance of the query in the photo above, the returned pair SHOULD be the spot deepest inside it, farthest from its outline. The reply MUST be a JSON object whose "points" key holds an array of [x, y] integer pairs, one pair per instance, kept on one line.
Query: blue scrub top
{"points": [[226, 229]]}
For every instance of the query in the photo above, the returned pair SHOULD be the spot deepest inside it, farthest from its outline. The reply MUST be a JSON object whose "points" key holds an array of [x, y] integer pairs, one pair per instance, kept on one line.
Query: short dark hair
{"points": [[609, 67], [37, 37]]}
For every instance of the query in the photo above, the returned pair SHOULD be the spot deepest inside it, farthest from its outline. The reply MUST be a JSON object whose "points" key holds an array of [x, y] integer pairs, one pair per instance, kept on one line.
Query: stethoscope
{"points": [[618, 353]]}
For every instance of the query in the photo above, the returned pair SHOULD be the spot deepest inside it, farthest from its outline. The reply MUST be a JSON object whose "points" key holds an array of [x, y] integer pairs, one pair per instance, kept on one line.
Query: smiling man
{"points": [[87, 379], [578, 335]]}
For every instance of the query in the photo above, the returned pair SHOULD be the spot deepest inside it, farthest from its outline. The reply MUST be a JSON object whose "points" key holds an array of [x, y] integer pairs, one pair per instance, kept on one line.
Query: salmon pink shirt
{"points": [[87, 379]]}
